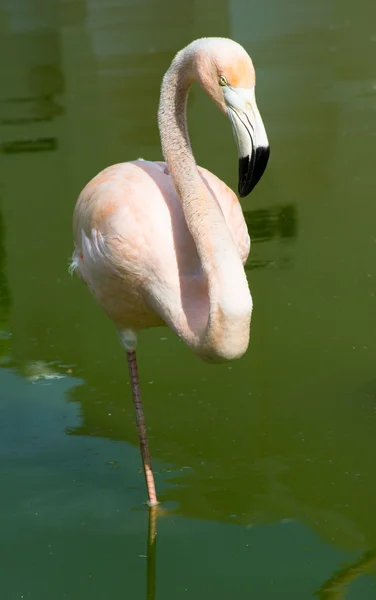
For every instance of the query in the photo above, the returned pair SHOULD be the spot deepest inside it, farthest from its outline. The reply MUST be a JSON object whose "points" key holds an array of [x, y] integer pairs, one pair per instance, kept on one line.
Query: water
{"points": [[265, 467]]}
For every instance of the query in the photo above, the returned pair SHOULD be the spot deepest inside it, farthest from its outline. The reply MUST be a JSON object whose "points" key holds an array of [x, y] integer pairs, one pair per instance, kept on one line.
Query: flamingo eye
{"points": [[222, 81]]}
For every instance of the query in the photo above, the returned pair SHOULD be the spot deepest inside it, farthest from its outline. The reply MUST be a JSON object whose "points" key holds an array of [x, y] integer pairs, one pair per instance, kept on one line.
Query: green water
{"points": [[266, 466]]}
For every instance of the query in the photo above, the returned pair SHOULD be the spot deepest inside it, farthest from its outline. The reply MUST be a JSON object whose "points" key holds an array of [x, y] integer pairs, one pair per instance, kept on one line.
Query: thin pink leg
{"points": [[140, 421]]}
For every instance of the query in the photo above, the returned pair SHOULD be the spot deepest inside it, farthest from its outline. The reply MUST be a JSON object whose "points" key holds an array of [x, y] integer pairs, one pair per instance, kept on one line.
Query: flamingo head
{"points": [[226, 72]]}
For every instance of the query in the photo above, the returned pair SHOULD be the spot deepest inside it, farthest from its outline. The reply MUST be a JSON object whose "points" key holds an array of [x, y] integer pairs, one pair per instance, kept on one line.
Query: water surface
{"points": [[266, 465]]}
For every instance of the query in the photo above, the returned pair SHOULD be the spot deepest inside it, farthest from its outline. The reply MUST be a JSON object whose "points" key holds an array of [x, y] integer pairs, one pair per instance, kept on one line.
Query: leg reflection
{"points": [[333, 589], [151, 553]]}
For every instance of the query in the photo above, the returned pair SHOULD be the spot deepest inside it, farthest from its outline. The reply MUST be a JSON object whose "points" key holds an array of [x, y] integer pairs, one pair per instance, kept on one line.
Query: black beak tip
{"points": [[245, 171], [251, 169]]}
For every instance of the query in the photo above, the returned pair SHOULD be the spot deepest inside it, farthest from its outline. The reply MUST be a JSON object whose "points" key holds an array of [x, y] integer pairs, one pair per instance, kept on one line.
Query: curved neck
{"points": [[226, 334]]}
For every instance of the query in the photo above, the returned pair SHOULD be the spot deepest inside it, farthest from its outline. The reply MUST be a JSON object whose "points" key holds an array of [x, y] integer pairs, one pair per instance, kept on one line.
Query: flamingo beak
{"points": [[250, 136]]}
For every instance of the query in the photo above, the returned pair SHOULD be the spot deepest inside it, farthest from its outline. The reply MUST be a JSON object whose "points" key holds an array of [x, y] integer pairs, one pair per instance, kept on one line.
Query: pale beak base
{"points": [[250, 136]]}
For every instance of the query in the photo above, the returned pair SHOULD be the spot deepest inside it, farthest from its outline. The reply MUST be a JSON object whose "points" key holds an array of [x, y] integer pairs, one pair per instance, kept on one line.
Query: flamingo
{"points": [[165, 243]]}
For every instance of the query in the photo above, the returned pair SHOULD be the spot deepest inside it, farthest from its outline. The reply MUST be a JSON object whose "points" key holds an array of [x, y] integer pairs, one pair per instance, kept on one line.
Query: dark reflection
{"points": [[32, 145], [151, 553], [334, 588], [22, 111], [281, 262], [277, 221], [33, 77]]}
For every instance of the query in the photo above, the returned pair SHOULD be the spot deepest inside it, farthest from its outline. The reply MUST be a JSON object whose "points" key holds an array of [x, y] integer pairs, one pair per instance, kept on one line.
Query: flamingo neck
{"points": [[226, 334]]}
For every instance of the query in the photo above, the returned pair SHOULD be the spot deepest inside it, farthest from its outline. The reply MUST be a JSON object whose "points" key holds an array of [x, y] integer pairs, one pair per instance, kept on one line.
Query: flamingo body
{"points": [[134, 250]]}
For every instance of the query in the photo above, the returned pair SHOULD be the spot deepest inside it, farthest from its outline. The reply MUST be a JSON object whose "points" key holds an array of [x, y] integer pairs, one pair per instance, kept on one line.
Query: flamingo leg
{"points": [[141, 428]]}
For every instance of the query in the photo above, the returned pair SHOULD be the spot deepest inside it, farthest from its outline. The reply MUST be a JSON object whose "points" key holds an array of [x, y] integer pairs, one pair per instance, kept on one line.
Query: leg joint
{"points": [[128, 339]]}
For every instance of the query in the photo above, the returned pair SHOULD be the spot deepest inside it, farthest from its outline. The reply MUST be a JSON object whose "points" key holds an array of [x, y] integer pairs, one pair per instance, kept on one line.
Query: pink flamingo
{"points": [[165, 243]]}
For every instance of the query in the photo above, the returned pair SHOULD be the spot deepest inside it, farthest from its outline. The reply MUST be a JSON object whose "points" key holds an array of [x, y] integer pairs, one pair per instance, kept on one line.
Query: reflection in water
{"points": [[151, 553], [279, 223], [22, 111], [33, 77], [333, 589], [30, 145]]}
